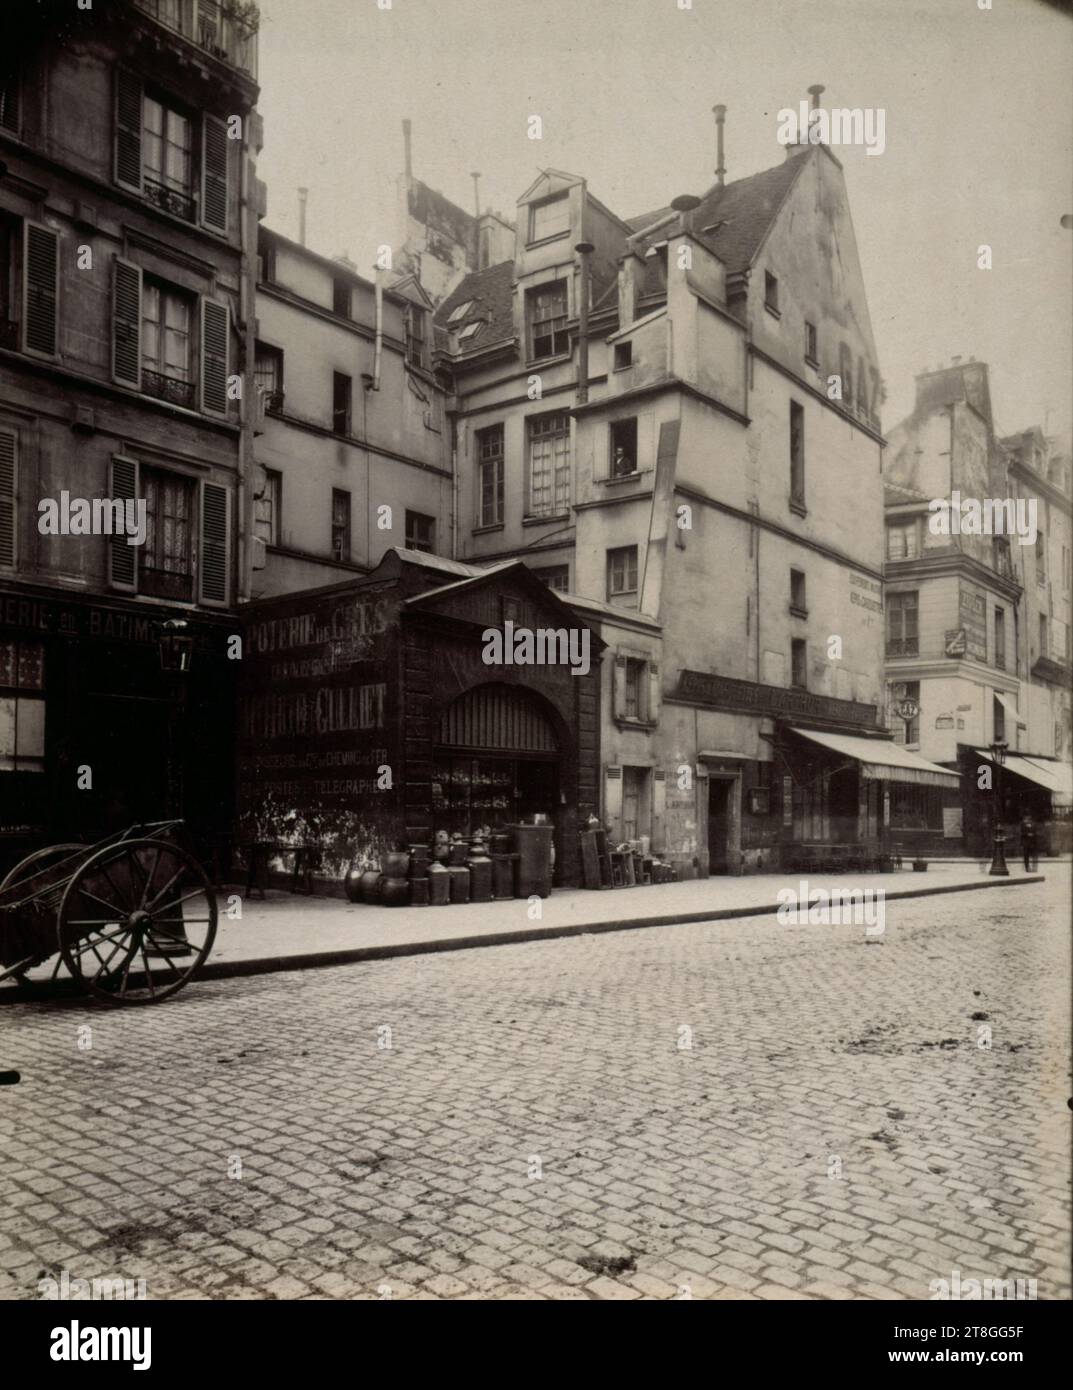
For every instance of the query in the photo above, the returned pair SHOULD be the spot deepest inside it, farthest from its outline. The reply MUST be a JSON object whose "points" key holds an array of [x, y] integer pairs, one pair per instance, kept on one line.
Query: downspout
{"points": [[584, 250], [246, 312], [378, 350], [454, 486]]}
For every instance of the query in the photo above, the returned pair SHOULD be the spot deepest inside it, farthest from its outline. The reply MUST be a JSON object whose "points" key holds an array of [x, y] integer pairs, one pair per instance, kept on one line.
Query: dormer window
{"points": [[470, 331], [415, 335], [771, 292], [459, 313], [549, 218], [548, 336]]}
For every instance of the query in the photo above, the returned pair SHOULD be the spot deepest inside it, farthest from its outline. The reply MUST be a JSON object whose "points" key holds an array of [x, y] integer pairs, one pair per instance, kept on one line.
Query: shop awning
{"points": [[1057, 778], [1007, 703], [882, 761]]}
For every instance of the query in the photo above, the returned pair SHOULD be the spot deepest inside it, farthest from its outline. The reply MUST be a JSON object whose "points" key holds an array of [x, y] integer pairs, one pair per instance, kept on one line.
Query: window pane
{"points": [[31, 729]]}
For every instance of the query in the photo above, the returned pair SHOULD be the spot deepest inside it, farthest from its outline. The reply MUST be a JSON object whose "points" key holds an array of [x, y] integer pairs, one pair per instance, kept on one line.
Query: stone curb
{"points": [[310, 960]]}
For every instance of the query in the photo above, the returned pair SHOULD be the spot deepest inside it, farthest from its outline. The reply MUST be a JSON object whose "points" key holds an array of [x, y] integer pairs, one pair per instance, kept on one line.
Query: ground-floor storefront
{"points": [[96, 733], [1025, 784], [373, 714]]}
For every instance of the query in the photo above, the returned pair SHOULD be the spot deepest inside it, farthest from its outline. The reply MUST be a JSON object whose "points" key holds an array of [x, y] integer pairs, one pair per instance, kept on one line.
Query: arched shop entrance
{"points": [[495, 762]]}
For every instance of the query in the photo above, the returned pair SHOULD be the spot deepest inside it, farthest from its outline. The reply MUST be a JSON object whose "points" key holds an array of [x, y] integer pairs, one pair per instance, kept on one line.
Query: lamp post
{"points": [[998, 855]]}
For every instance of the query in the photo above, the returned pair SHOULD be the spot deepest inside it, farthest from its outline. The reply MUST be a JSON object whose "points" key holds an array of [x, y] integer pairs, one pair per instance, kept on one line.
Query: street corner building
{"points": [[370, 716], [128, 206]]}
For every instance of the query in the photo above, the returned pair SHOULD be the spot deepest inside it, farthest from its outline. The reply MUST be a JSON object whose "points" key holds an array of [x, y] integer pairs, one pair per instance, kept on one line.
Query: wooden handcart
{"points": [[130, 919]]}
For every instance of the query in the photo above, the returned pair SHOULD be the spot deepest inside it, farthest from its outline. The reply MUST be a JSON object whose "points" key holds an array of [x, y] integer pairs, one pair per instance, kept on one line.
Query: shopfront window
{"points": [[22, 706], [915, 808]]}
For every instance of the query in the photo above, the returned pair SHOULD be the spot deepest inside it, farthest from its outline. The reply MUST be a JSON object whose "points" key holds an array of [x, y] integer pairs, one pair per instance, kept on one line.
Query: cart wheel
{"points": [[44, 974], [137, 920]]}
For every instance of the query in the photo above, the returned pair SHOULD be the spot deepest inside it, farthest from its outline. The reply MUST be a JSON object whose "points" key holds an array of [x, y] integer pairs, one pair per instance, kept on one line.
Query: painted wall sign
{"points": [[86, 620], [866, 593], [724, 692], [972, 615]]}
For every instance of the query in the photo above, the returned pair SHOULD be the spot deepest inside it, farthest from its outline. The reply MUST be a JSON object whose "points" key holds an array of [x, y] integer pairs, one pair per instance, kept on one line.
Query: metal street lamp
{"points": [[998, 752]]}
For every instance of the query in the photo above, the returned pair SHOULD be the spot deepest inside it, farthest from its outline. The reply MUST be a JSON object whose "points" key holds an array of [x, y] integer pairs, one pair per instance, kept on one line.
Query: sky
{"points": [[978, 120]]}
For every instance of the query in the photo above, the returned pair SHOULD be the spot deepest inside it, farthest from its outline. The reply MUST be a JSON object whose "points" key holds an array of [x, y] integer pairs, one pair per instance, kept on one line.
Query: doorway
{"points": [[719, 793]]}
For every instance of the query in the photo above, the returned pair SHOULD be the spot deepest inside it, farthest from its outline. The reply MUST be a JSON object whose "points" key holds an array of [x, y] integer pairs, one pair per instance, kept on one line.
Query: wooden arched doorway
{"points": [[496, 760]]}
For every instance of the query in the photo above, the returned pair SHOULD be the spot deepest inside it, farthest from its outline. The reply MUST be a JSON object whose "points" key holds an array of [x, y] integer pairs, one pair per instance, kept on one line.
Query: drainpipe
{"points": [[247, 309], [584, 250], [378, 350]]}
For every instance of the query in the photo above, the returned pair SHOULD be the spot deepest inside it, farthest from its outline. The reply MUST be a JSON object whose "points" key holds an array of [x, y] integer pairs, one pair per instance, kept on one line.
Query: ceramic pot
{"points": [[370, 885], [459, 854], [439, 884], [352, 885], [480, 874], [419, 892], [459, 876], [396, 865], [395, 892]]}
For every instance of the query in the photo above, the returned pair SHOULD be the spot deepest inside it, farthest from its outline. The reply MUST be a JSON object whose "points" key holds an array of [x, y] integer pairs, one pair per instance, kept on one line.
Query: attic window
{"points": [[470, 331], [458, 314], [550, 218], [771, 292]]}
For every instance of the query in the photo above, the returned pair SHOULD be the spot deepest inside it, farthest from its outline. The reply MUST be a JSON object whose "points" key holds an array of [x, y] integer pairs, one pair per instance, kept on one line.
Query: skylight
{"points": [[471, 330], [460, 312]]}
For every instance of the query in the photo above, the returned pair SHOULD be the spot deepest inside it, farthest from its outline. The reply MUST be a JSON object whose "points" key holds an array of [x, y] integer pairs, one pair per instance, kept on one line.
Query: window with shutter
{"points": [[128, 131], [214, 561], [123, 558], [214, 331], [41, 273], [214, 174], [8, 460], [9, 96], [127, 323]]}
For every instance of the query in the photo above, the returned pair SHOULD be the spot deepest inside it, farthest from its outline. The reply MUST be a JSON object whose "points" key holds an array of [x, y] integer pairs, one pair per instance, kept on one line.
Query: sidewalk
{"points": [[291, 932]]}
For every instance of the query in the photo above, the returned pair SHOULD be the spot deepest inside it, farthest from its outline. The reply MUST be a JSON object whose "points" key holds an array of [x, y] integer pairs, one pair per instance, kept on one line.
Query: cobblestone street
{"points": [[730, 1110]]}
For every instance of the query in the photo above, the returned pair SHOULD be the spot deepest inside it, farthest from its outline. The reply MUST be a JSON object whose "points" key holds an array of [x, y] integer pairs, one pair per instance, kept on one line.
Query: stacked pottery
{"points": [[439, 883], [480, 872], [459, 876], [395, 889], [419, 868], [441, 847], [352, 884], [459, 851], [370, 885]]}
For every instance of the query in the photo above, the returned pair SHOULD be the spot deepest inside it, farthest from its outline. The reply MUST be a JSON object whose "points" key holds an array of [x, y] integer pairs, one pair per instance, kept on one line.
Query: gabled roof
{"points": [[897, 494], [491, 292], [741, 214]]}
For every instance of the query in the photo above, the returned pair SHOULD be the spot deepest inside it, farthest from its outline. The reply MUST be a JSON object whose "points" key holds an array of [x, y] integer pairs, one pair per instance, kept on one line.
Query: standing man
{"points": [[1028, 841]]}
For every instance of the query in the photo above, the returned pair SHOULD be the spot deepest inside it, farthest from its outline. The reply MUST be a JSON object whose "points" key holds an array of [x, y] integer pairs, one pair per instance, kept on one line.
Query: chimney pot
{"points": [[720, 113]]}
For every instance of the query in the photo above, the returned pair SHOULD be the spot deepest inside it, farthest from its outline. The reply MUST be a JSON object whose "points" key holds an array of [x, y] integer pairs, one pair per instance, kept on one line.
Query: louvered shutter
{"points": [[214, 335], [214, 173], [618, 691], [128, 131], [613, 800], [41, 260], [214, 562], [8, 456], [655, 692], [127, 323], [9, 101], [123, 558]]}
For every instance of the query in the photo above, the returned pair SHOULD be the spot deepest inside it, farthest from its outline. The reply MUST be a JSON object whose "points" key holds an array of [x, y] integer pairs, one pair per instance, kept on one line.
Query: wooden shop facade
{"points": [[368, 718]]}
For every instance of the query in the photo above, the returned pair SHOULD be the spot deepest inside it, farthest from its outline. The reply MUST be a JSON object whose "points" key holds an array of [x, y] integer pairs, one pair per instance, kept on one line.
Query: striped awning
{"points": [[884, 761], [1052, 776]]}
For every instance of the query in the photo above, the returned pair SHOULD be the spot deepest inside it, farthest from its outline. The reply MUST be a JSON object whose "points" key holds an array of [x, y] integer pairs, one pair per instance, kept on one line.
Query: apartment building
{"points": [[128, 207], [353, 445], [673, 420]]}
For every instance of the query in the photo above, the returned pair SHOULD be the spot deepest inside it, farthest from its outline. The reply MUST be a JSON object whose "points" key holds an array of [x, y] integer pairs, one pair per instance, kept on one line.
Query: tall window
{"points": [[340, 524], [623, 435], [1000, 638], [903, 540], [341, 394], [810, 341], [167, 145], [799, 663], [622, 572], [416, 334], [1041, 558], [340, 296], [9, 94], [1044, 643], [547, 321], [771, 292], [797, 454], [166, 560], [549, 464], [549, 218], [8, 294], [268, 373], [798, 603], [22, 705], [633, 693], [902, 633], [999, 717], [272, 505], [490, 475], [420, 532], [166, 364]]}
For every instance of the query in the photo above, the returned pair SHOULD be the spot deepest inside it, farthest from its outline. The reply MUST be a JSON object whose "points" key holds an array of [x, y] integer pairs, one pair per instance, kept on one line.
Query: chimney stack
{"points": [[815, 92], [303, 195], [407, 153], [720, 113]]}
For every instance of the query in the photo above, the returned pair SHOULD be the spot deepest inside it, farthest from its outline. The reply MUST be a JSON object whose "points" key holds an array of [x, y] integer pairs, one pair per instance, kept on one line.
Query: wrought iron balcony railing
{"points": [[225, 28], [168, 388], [161, 583], [170, 200], [903, 646]]}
